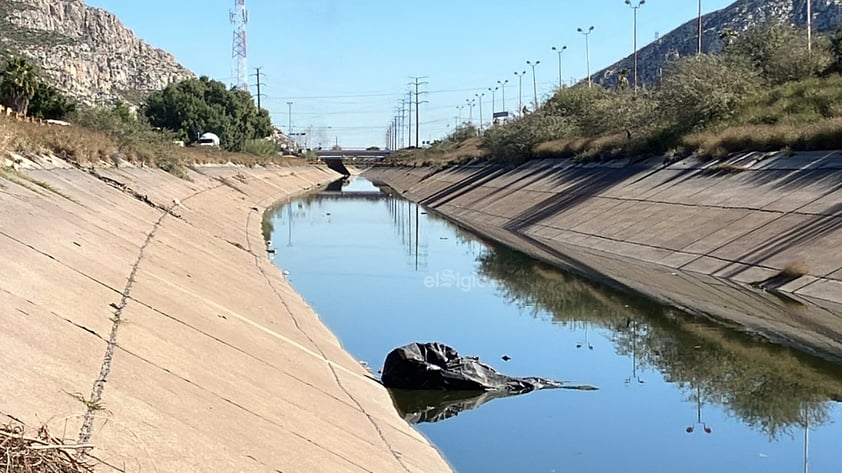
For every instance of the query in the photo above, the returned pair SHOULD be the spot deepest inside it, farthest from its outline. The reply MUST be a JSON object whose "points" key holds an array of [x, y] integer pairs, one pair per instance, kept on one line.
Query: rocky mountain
{"points": [[739, 16], [86, 52]]}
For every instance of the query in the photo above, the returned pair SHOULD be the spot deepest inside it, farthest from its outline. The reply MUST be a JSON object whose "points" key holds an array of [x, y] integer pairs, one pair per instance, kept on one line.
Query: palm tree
{"points": [[18, 83]]}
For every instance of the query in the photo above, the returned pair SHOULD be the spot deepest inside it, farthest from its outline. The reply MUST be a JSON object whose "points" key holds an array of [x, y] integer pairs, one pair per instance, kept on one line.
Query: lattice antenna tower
{"points": [[240, 18]]}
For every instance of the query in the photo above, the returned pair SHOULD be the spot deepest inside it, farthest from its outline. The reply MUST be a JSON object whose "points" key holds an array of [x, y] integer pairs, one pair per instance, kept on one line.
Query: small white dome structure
{"points": [[209, 139]]}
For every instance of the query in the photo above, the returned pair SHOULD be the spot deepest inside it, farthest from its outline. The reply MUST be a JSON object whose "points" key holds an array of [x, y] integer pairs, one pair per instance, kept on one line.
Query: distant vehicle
{"points": [[373, 148], [209, 139]]}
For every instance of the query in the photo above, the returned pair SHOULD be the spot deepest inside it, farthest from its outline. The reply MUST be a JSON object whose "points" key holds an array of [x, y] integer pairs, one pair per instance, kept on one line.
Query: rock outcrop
{"points": [[86, 52], [739, 16]]}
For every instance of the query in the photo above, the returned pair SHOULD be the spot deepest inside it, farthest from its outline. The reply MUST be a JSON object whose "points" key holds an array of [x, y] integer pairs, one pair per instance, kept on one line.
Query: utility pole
{"points": [[409, 124], [479, 98], [417, 83], [289, 117], [258, 74], [470, 103]]}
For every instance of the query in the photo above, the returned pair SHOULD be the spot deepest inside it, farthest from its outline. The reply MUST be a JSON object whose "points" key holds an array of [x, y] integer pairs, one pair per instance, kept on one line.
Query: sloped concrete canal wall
{"points": [[692, 234], [140, 313]]}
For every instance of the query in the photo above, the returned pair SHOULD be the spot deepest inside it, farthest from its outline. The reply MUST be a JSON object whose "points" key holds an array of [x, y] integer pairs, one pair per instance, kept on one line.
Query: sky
{"points": [[346, 64]]}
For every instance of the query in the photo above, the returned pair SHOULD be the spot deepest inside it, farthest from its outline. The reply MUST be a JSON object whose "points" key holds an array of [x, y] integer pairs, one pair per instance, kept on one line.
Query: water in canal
{"points": [[675, 394]]}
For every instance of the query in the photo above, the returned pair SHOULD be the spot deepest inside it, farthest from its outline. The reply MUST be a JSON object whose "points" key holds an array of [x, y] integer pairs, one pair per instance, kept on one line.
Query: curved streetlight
{"points": [[503, 90], [493, 99], [520, 91], [559, 51], [534, 85], [587, 52], [479, 99], [470, 103], [636, 7], [692, 427]]}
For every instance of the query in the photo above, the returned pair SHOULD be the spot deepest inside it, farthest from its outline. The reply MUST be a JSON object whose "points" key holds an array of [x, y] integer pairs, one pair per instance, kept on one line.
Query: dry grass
{"points": [[444, 153], [795, 270], [824, 134], [85, 147], [40, 452]]}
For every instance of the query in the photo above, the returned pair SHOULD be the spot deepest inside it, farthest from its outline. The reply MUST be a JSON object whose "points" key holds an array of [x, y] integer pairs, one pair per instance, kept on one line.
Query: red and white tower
{"points": [[240, 18]]}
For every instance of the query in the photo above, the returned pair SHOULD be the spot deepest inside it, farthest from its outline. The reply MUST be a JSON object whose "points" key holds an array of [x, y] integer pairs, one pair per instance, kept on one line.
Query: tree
{"points": [[702, 90], [778, 51], [49, 103], [18, 84], [195, 106]]}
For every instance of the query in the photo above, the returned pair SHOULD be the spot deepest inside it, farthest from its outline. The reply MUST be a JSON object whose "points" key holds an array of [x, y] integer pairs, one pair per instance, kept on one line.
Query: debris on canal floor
{"points": [[435, 366]]}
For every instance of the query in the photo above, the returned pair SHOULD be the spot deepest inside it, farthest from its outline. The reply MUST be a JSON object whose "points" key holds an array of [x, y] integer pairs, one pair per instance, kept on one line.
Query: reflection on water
{"points": [[676, 393], [434, 406], [772, 389]]}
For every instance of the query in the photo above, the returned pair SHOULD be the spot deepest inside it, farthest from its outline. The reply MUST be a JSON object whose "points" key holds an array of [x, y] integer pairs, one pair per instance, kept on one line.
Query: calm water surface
{"points": [[675, 394]]}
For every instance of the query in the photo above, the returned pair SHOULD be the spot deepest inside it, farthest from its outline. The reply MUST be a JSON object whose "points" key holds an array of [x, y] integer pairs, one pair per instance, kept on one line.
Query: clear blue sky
{"points": [[346, 64]]}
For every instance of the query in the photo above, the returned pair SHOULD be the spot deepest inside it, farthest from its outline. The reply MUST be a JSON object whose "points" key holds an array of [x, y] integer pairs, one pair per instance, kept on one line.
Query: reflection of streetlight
{"points": [[559, 51], [634, 375], [705, 427], [520, 91], [587, 340], [534, 85], [587, 52]]}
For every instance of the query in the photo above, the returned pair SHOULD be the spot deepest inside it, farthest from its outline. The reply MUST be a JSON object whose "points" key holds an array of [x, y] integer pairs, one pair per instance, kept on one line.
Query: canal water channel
{"points": [[675, 393]]}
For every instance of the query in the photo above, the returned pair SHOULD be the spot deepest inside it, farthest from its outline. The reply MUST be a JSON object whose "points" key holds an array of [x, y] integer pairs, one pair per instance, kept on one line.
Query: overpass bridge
{"points": [[355, 154], [336, 159]]}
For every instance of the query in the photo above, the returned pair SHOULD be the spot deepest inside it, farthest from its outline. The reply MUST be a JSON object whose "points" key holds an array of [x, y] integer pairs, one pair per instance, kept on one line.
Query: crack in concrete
{"points": [[93, 402]]}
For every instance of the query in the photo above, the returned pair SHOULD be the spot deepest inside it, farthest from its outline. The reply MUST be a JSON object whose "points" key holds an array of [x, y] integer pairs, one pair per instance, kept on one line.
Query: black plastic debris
{"points": [[435, 366]]}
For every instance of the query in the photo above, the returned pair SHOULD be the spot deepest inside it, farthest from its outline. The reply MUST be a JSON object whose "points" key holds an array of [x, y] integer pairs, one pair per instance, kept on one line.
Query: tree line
{"points": [[185, 109]]}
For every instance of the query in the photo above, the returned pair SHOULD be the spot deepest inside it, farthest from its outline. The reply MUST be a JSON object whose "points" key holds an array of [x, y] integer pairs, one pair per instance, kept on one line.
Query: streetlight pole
{"points": [[809, 26], [459, 115], [493, 99], [700, 28], [503, 90], [520, 91], [559, 51], [479, 99], [534, 85], [588, 52], [471, 103], [640, 3]]}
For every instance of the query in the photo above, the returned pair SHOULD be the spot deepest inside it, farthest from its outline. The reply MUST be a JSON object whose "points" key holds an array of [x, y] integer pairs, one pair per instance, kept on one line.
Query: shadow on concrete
{"points": [[581, 185], [814, 228], [464, 185]]}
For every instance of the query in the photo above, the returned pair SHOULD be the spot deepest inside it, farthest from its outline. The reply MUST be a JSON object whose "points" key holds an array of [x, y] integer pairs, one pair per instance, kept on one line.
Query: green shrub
{"points": [[260, 147]]}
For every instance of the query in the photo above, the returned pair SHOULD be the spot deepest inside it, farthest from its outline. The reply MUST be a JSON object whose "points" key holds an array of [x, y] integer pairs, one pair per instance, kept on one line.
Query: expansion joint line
{"points": [[94, 402], [321, 352]]}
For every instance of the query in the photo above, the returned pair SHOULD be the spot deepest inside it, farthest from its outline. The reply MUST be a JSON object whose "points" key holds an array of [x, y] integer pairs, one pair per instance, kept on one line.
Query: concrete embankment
{"points": [[141, 314], [691, 234]]}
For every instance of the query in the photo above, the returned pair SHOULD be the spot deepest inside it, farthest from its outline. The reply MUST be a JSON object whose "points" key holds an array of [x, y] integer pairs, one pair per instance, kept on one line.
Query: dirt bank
{"points": [[141, 314], [692, 234]]}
